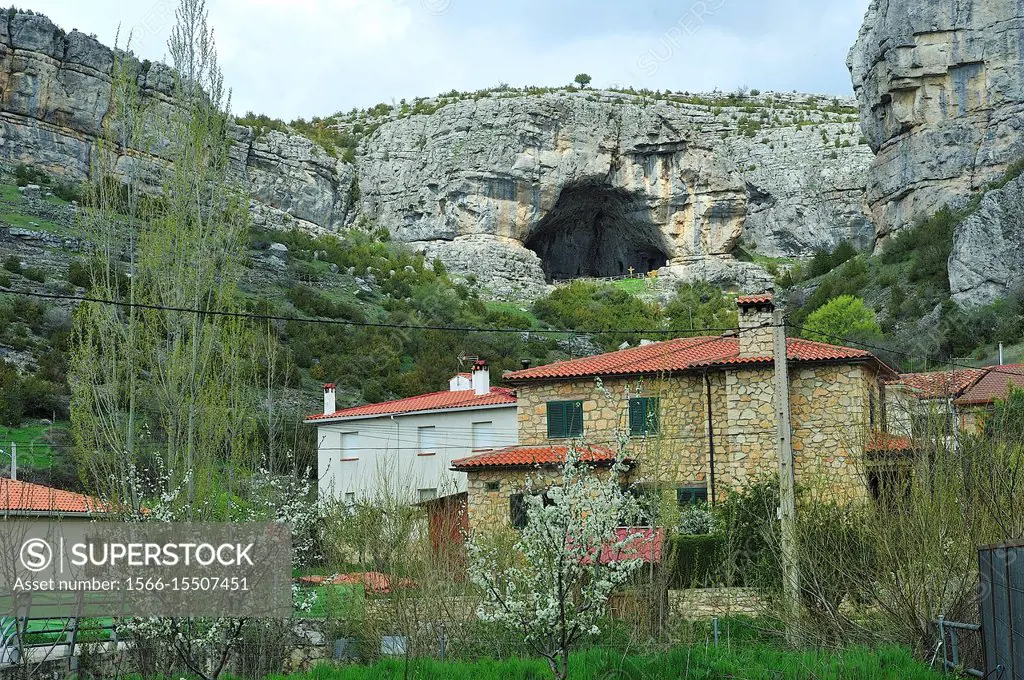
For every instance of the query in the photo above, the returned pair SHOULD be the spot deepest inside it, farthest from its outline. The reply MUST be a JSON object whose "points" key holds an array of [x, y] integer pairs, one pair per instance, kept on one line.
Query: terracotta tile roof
{"points": [[424, 402], [940, 384], [17, 496], [995, 384], [529, 456], [883, 442], [683, 354], [372, 581], [647, 545], [762, 299]]}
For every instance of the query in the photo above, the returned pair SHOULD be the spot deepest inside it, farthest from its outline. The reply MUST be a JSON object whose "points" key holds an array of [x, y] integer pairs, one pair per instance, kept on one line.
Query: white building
{"points": [[405, 447]]}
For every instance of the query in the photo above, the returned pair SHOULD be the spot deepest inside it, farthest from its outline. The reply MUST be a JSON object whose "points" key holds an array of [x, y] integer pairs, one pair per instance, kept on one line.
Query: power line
{"points": [[908, 355], [366, 324]]}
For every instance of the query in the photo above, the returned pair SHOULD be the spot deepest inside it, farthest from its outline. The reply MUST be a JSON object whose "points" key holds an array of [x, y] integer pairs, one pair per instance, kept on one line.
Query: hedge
{"points": [[695, 560]]}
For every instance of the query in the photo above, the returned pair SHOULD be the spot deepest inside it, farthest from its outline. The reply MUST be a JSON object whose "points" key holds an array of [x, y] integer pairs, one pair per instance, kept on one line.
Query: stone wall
{"points": [[831, 410], [705, 603]]}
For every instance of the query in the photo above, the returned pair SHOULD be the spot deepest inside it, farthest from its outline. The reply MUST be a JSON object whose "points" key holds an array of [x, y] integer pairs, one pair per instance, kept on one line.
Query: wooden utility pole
{"points": [[787, 476]]}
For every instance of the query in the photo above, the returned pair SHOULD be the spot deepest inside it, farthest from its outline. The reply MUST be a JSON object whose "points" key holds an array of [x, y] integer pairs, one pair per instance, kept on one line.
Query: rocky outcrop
{"points": [[55, 98], [600, 184], [941, 91], [987, 257]]}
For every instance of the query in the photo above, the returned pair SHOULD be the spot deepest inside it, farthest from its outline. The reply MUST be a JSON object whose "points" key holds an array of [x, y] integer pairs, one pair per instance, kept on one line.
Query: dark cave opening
{"points": [[598, 231]]}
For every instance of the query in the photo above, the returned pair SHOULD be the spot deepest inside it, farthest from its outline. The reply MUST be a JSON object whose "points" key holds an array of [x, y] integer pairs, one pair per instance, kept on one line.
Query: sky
{"points": [[304, 58]]}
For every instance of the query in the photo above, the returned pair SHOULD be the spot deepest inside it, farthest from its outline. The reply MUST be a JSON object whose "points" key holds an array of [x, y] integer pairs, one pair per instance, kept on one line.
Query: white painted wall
{"points": [[359, 458]]}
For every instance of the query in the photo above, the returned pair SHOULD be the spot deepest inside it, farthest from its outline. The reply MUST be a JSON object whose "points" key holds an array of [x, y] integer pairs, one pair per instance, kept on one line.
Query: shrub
{"points": [[13, 264], [845, 317], [78, 275], [35, 274], [695, 560], [697, 520]]}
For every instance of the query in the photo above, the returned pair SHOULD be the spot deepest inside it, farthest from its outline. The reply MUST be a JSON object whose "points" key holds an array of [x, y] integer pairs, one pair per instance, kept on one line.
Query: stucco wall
{"points": [[387, 456]]}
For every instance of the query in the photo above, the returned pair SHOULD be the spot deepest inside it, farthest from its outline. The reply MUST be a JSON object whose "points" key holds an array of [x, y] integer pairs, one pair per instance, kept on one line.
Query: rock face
{"points": [[518, 189], [941, 91], [987, 257], [55, 91], [573, 184]]}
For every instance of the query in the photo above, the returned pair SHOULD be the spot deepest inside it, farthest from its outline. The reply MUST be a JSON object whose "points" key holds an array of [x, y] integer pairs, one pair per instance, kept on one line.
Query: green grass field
{"points": [[34, 450], [336, 602], [634, 286], [683, 663]]}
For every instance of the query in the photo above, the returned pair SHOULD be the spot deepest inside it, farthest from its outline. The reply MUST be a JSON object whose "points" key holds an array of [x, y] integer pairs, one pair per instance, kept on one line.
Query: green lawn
{"points": [[684, 663], [34, 450], [634, 286], [336, 602]]}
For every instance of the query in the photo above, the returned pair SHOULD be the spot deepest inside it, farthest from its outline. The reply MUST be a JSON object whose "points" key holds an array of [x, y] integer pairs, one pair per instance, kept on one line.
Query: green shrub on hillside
{"points": [[701, 306], [842, 319], [585, 306]]}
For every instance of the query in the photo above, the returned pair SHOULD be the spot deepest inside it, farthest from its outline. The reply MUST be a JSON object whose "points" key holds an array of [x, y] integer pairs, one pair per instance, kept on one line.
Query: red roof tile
{"points": [[372, 581], [994, 385], [529, 456], [424, 402], [762, 299], [883, 442], [647, 545], [17, 496], [940, 384], [683, 354]]}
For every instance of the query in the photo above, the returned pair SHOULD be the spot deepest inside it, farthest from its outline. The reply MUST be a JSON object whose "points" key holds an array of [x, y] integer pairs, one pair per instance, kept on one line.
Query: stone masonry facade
{"points": [[834, 407]]}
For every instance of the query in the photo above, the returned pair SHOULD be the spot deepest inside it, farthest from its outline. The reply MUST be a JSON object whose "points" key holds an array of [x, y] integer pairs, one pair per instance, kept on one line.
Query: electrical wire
{"points": [[366, 324]]}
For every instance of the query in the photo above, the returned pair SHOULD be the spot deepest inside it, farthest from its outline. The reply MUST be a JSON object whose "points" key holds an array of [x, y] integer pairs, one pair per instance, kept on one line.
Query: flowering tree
{"points": [[565, 562]]}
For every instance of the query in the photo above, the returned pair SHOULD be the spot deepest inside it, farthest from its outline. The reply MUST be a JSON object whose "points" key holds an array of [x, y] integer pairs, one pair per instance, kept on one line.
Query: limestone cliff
{"points": [[55, 91], [941, 91], [517, 189]]}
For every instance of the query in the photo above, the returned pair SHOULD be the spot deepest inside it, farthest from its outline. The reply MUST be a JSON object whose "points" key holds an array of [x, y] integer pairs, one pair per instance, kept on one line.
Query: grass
{"points": [[336, 602], [34, 450], [685, 663], [634, 286]]}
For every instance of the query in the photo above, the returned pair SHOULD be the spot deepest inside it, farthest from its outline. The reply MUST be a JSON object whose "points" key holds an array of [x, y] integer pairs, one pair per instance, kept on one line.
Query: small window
{"points": [[350, 498], [644, 416], [347, 446], [692, 495], [517, 510], [427, 440], [565, 419], [427, 494], [492, 486], [483, 435]]}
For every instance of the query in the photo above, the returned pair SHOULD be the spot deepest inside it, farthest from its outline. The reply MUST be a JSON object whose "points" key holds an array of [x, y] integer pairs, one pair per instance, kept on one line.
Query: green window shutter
{"points": [[636, 416], [574, 418], [556, 420], [565, 419], [517, 510], [644, 415]]}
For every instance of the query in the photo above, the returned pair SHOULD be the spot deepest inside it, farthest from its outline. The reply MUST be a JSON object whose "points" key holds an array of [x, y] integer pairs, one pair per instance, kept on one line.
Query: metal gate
{"points": [[1001, 598]]}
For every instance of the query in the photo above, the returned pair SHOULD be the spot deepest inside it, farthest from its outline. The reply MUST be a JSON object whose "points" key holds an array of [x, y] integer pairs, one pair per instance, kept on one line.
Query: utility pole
{"points": [[787, 476]]}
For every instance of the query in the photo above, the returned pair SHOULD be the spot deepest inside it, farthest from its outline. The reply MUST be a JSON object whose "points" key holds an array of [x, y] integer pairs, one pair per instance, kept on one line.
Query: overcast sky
{"points": [[290, 58]]}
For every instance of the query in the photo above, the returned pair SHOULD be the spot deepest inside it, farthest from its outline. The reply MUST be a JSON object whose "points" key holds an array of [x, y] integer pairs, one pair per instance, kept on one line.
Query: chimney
{"points": [[329, 406], [481, 377], [756, 332], [525, 363]]}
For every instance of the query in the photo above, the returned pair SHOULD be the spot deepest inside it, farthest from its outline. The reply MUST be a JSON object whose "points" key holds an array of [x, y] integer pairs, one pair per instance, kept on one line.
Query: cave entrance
{"points": [[598, 231]]}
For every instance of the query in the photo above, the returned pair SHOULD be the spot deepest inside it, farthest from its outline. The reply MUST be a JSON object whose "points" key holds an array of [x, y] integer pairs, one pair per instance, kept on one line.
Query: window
{"points": [[427, 494], [350, 498], [692, 495], [347, 446], [644, 415], [428, 440], [483, 435], [492, 486], [565, 419], [517, 510]]}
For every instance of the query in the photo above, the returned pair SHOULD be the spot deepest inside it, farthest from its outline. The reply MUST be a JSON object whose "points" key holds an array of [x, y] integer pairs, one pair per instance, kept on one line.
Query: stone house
{"points": [[942, 405], [696, 416]]}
